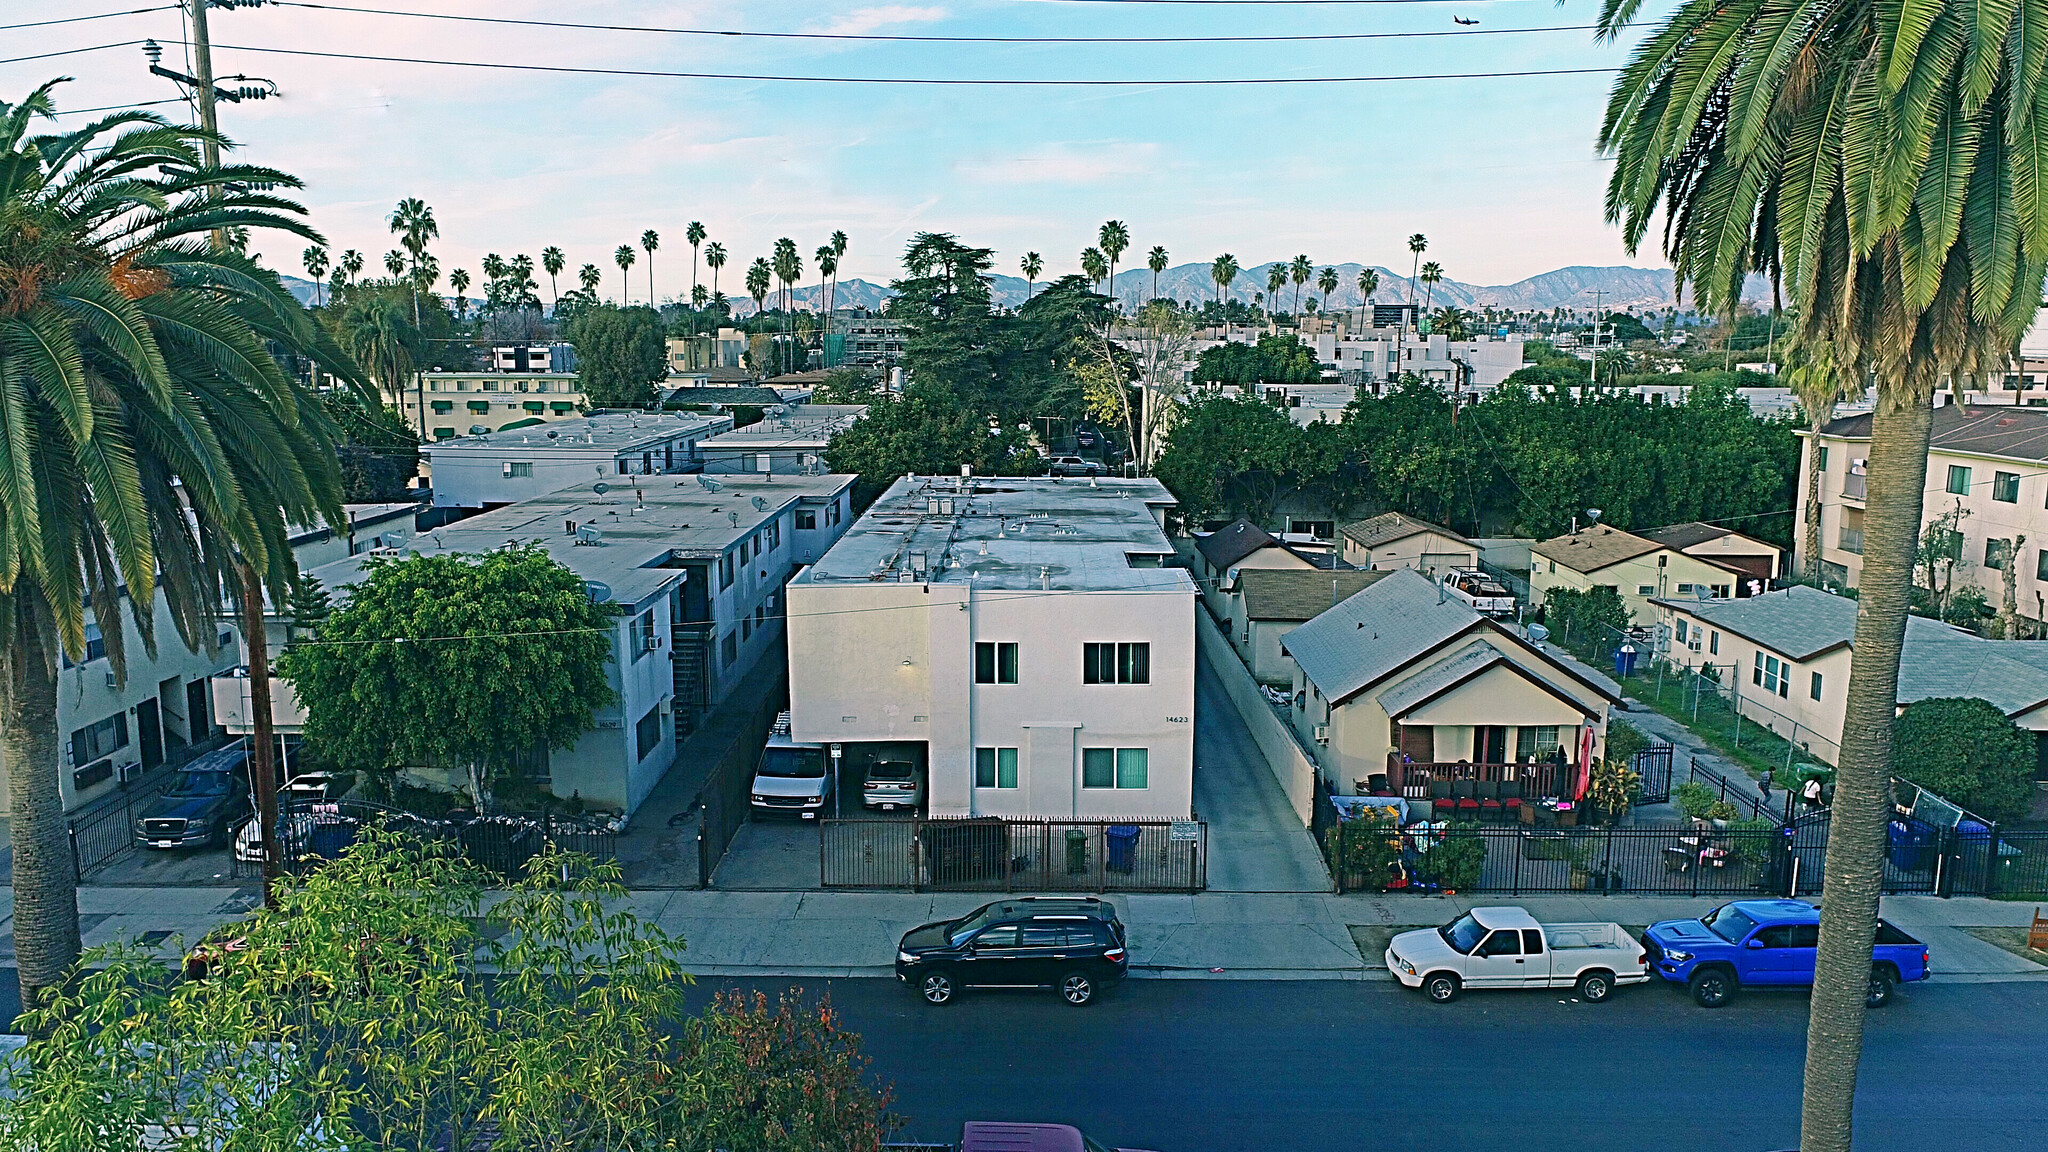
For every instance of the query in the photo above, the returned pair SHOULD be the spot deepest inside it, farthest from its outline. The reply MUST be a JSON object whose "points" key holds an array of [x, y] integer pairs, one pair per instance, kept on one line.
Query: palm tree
{"points": [[623, 257], [1094, 265], [315, 260], [1156, 261], [1820, 386], [589, 276], [1432, 275], [1299, 272], [1884, 164], [459, 280], [759, 275], [551, 258], [695, 234], [1276, 279], [828, 263], [154, 444], [394, 263], [378, 332], [1453, 323], [714, 259], [789, 268], [650, 240], [1327, 281], [1114, 238], [1223, 270], [1368, 283], [413, 222], [1032, 265], [1417, 245], [838, 242], [351, 263]]}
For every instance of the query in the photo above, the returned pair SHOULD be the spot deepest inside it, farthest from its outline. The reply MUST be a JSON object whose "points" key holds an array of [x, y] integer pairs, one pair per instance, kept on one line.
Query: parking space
{"points": [[781, 852]]}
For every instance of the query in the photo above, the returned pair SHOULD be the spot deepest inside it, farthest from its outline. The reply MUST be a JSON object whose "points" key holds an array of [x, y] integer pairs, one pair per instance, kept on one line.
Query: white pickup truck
{"points": [[1487, 596], [1507, 948]]}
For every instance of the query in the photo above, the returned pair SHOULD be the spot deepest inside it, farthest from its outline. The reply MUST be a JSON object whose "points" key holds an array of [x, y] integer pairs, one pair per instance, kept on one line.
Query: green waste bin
{"points": [[1077, 851]]}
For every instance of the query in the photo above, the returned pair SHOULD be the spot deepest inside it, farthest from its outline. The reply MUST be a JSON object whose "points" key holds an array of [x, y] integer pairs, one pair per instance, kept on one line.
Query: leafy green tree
{"points": [[1583, 618], [1230, 456], [928, 430], [1967, 752], [153, 442], [416, 1015], [621, 353], [379, 454], [453, 661]]}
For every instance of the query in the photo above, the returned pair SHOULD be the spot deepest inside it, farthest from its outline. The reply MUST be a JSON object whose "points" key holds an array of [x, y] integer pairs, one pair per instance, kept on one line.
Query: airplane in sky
{"points": [[1462, 20]]}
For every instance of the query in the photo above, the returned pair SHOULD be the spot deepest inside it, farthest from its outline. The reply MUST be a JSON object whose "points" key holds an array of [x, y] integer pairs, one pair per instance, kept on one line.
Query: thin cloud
{"points": [[1071, 162], [861, 21]]}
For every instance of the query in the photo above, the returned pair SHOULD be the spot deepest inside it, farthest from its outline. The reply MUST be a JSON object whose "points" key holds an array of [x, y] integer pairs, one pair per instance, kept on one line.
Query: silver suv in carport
{"points": [[1072, 466]]}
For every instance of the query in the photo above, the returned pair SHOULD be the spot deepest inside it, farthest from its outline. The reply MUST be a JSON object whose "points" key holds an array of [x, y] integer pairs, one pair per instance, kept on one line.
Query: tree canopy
{"points": [[455, 661], [621, 353], [1273, 360], [1966, 752]]}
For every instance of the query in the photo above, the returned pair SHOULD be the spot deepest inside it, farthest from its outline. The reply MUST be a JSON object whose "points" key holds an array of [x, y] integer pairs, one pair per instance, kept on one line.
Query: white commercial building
{"points": [[1026, 635], [507, 467], [697, 567]]}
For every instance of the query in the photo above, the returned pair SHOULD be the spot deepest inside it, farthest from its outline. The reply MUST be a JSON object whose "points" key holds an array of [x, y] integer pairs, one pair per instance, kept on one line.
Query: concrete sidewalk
{"points": [[1238, 936]]}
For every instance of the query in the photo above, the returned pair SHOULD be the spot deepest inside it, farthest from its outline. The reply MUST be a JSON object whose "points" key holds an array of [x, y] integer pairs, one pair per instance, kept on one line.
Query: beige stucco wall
{"points": [[1815, 725], [1409, 553], [1631, 577]]}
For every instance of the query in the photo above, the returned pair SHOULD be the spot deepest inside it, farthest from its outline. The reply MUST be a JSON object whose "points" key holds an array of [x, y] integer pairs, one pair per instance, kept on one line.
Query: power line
{"points": [[932, 39], [122, 107], [914, 81], [72, 51], [82, 19]]}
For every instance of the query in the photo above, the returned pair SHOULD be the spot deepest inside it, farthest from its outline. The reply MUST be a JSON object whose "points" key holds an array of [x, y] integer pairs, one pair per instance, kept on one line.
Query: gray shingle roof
{"points": [[1594, 548], [1388, 527], [1233, 542], [1937, 661], [2018, 433], [1375, 632], [1297, 593], [1466, 663]]}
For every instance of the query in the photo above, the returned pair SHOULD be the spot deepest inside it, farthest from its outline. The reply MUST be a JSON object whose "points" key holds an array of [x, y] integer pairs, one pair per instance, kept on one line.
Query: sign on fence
{"points": [[1185, 830]]}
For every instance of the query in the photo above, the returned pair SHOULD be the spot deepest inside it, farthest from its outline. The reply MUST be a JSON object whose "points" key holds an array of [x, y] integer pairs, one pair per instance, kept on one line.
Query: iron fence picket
{"points": [[310, 833], [995, 855]]}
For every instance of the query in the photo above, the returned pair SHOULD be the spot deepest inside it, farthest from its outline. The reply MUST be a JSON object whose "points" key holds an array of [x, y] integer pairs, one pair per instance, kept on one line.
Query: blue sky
{"points": [[1499, 173]]}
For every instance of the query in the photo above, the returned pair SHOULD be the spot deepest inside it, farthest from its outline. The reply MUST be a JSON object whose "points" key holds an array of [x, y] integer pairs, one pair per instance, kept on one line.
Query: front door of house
{"points": [[1490, 744], [149, 731]]}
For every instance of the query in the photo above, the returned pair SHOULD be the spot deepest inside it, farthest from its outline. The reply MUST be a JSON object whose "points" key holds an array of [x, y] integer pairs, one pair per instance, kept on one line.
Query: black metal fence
{"points": [[994, 855], [104, 833], [1751, 807], [1653, 767], [726, 800], [1974, 860], [311, 833]]}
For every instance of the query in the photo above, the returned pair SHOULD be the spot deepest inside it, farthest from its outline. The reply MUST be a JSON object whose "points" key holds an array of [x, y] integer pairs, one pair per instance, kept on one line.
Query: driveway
{"points": [[1256, 843]]}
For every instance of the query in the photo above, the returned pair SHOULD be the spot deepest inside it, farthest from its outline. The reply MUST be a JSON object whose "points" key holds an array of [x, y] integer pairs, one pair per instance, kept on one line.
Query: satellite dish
{"points": [[598, 591], [553, 434], [1538, 633], [600, 487], [708, 484], [585, 534], [760, 504], [1593, 515], [478, 430]]}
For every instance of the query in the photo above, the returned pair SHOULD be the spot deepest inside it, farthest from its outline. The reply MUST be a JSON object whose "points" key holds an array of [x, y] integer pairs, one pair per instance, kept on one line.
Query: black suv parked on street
{"points": [[1072, 944]]}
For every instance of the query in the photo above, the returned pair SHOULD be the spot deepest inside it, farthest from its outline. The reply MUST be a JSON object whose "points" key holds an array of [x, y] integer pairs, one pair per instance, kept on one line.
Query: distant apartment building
{"points": [[1376, 355], [1987, 462], [458, 403], [617, 448], [791, 440], [697, 568], [533, 358], [864, 342], [1029, 639], [707, 351]]}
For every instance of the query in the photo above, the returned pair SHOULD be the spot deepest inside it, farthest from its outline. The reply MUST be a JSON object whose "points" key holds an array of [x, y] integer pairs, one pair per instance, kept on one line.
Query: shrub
{"points": [[1624, 740], [1966, 752], [1723, 811], [1753, 841], [1693, 798], [1368, 845], [1455, 864], [1614, 788]]}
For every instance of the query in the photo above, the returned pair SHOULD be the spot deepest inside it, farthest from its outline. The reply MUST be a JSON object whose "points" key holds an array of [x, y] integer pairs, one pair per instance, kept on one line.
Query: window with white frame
{"points": [[1772, 674]]}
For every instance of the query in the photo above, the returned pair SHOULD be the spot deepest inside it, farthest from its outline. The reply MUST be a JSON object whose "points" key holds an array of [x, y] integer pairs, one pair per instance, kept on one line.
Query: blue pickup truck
{"points": [[1767, 944]]}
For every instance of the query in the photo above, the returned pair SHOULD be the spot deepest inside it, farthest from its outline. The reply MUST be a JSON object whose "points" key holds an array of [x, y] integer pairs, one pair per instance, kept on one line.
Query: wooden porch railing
{"points": [[1412, 779]]}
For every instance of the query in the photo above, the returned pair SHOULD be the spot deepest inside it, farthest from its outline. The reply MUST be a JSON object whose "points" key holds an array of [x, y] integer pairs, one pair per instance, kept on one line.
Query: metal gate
{"points": [[995, 855], [1653, 766]]}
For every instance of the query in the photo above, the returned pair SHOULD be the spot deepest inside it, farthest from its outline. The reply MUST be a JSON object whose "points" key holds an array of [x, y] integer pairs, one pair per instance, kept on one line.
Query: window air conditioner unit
{"points": [[128, 772], [113, 681], [1322, 733]]}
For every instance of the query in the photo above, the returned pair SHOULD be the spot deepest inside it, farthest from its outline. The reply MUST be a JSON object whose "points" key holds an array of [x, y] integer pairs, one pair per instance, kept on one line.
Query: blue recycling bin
{"points": [[1123, 847], [1912, 843], [1624, 661]]}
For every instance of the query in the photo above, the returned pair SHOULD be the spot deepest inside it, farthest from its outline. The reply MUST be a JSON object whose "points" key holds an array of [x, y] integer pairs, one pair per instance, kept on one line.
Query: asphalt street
{"points": [[1220, 1066]]}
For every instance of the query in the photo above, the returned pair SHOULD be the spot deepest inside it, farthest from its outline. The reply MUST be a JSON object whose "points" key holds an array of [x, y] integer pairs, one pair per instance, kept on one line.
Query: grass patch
{"points": [[2013, 940], [1761, 751]]}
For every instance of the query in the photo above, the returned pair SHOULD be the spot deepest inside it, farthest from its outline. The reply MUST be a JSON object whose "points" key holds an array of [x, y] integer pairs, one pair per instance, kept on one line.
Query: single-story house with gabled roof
{"points": [[1746, 554], [1636, 568], [1242, 544], [1264, 604], [1404, 681], [1785, 657], [1392, 540]]}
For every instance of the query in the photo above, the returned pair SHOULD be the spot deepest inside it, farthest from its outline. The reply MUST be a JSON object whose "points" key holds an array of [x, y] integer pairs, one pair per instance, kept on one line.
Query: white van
{"points": [[792, 779]]}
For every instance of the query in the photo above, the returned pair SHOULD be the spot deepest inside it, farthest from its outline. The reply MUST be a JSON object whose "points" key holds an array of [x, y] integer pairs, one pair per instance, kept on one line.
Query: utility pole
{"points": [[262, 767]]}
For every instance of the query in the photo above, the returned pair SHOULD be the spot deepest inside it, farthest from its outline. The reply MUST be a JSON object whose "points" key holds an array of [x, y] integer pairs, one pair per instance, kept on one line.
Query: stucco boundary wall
{"points": [[1289, 762]]}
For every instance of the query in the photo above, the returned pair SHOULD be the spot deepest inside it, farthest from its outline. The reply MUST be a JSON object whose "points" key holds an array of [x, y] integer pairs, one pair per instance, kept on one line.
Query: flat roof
{"points": [[493, 374], [645, 521], [804, 426], [1009, 533], [613, 432]]}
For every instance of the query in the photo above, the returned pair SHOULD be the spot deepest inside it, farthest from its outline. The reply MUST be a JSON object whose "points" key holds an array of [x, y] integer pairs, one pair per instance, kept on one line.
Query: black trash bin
{"points": [[1077, 851]]}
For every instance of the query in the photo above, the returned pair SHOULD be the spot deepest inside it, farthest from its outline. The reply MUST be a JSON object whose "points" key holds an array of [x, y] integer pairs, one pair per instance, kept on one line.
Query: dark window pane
{"points": [[984, 663], [1000, 936], [1006, 664]]}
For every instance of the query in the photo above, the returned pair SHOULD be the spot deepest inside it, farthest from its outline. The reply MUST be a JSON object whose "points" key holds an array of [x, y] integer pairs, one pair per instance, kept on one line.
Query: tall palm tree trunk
{"points": [[45, 887], [262, 770], [1856, 826], [1809, 543]]}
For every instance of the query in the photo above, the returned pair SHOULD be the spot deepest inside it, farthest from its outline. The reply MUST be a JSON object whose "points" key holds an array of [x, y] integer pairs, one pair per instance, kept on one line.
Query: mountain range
{"points": [[1578, 287]]}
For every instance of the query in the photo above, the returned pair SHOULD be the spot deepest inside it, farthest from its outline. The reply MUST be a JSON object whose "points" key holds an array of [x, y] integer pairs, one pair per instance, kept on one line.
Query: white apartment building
{"points": [[698, 567], [787, 441], [1027, 635], [1989, 461], [507, 467]]}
